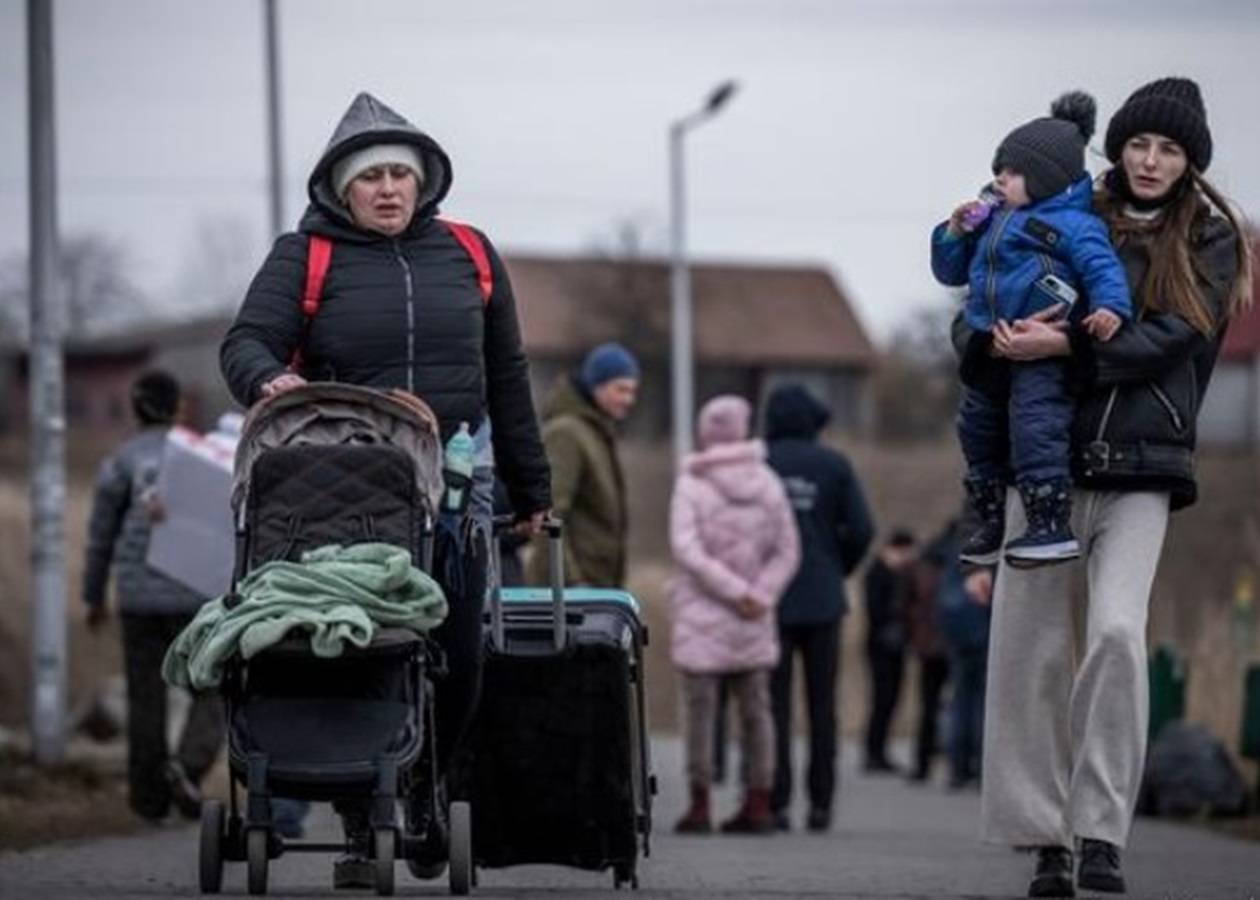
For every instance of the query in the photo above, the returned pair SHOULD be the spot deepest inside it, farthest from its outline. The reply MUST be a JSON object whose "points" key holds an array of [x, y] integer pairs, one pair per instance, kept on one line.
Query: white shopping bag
{"points": [[194, 543]]}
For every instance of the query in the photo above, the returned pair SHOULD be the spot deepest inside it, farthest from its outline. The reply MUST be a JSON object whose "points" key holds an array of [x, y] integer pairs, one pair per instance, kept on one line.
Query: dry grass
{"points": [[68, 801], [89, 657]]}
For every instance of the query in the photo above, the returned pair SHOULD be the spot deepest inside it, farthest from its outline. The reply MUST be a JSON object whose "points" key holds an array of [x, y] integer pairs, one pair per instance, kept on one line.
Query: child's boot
{"points": [[1049, 538], [696, 820], [754, 815], [982, 542]]}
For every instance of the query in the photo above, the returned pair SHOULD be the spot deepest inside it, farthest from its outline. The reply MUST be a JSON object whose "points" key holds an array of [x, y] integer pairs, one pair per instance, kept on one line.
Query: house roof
{"points": [[744, 314], [1242, 340]]}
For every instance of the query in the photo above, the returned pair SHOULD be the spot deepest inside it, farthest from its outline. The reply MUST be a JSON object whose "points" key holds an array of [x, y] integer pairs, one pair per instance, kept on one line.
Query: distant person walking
{"points": [[835, 529], [1066, 717], [963, 607], [923, 625], [886, 585], [152, 610], [588, 489], [735, 548]]}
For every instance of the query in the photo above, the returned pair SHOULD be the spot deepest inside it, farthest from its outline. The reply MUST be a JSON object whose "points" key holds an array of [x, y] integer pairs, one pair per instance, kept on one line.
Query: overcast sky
{"points": [[858, 124]]}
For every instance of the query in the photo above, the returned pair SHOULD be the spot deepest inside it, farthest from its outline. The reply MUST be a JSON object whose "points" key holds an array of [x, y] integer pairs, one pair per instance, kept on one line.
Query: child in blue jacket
{"points": [[1032, 246]]}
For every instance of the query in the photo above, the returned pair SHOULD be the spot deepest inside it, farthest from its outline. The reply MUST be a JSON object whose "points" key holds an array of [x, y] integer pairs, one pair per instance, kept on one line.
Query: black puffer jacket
{"points": [[1139, 393], [832, 516], [402, 312]]}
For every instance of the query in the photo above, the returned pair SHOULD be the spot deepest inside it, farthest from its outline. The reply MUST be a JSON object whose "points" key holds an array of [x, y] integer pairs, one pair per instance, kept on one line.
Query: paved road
{"points": [[891, 840]]}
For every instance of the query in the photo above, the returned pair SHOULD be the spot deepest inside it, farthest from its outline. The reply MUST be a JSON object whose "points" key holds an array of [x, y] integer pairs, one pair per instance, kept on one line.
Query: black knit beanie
{"points": [[1172, 107], [155, 398], [1050, 152]]}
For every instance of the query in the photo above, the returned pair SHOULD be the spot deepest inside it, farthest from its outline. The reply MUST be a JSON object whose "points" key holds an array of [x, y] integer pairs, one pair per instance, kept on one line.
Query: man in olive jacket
{"points": [[587, 485]]}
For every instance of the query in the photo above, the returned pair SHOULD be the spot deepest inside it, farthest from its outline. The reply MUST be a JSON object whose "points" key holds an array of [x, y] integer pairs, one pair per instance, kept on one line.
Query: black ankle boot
{"points": [[1053, 877], [1100, 867], [1048, 538], [985, 522]]}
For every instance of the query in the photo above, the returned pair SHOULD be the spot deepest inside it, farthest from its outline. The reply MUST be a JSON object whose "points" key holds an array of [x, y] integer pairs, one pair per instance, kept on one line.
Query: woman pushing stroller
{"points": [[404, 300]]}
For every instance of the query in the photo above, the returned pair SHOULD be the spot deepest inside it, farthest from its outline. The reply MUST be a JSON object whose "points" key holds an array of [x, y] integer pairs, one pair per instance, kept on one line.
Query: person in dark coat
{"points": [[406, 304], [923, 625], [835, 531], [886, 584], [964, 609], [153, 608]]}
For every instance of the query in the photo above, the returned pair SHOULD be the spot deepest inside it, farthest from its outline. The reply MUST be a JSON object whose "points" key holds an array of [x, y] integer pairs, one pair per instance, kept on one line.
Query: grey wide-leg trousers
{"points": [[1067, 702]]}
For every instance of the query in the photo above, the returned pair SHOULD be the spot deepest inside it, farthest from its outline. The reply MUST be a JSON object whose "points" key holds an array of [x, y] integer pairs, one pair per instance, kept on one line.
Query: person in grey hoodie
{"points": [[152, 610], [836, 530]]}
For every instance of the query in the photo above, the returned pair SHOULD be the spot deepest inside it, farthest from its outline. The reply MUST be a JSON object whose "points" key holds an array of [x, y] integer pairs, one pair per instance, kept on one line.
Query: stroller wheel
{"points": [[383, 850], [461, 860], [211, 856], [257, 854]]}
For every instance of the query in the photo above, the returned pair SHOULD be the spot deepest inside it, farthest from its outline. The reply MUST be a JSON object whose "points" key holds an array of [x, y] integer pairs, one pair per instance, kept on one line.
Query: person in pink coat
{"points": [[735, 547]]}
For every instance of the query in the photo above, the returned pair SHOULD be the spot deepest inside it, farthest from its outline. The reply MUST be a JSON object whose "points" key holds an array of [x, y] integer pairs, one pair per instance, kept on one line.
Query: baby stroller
{"points": [[334, 464]]}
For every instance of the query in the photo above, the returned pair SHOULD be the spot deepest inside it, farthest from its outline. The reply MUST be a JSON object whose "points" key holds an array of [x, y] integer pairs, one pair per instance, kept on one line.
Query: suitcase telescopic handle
{"points": [[554, 528]]}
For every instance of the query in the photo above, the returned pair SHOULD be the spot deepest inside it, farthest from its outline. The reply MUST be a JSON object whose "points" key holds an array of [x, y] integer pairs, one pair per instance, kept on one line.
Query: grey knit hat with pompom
{"points": [[1050, 152]]}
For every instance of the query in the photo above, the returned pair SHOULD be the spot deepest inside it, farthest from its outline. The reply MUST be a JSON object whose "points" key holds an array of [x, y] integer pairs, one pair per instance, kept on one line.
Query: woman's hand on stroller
{"points": [[285, 381]]}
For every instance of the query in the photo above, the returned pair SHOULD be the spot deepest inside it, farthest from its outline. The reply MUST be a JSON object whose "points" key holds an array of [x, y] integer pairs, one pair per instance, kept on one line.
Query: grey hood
{"points": [[369, 121]]}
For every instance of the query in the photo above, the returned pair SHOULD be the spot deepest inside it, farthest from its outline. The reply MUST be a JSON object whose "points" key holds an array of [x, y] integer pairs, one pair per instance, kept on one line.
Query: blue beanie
{"points": [[606, 363]]}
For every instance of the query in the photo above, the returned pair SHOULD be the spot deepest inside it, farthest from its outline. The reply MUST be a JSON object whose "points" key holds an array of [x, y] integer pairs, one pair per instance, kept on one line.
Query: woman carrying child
{"points": [[1066, 711]]}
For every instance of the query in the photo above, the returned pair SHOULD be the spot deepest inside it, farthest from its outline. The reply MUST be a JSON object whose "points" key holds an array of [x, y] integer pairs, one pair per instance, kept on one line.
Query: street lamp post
{"points": [[275, 174], [681, 320], [47, 404]]}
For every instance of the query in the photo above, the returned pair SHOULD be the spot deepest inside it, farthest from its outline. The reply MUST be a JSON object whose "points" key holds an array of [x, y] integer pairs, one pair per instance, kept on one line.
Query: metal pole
{"points": [[47, 405], [681, 347], [275, 174]]}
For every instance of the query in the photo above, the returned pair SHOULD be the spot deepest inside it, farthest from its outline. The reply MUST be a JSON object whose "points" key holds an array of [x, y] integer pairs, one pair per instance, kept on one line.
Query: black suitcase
{"points": [[560, 770]]}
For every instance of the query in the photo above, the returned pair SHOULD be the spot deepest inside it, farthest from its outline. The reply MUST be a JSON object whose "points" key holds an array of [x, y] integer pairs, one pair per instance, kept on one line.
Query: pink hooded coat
{"points": [[733, 535]]}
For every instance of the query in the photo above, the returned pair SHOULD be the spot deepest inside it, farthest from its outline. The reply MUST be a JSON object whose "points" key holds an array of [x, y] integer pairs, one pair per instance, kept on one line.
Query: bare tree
{"points": [[94, 275], [626, 292], [916, 387], [218, 264]]}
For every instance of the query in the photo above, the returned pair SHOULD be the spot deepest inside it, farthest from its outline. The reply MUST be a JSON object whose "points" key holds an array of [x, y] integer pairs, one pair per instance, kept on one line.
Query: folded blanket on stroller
{"points": [[334, 594]]}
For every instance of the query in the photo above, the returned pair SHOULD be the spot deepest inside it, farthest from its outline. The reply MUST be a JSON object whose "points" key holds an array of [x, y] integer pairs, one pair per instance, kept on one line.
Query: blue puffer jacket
{"points": [[1001, 260]]}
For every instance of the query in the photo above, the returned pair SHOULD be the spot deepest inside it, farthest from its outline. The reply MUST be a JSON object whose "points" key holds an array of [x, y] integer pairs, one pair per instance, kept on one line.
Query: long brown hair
{"points": [[1174, 281]]}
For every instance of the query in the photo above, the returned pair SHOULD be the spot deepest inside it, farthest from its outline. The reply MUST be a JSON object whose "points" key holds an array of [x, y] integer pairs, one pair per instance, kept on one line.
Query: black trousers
{"points": [[933, 676], [819, 649], [886, 670], [145, 639], [461, 639]]}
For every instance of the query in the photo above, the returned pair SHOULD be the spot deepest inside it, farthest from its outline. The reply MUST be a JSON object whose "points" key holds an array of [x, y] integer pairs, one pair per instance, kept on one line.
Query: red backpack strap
{"points": [[318, 258], [471, 242]]}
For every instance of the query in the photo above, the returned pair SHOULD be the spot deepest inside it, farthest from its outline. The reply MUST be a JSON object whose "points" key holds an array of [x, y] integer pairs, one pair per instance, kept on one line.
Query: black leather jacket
{"points": [[1138, 395]]}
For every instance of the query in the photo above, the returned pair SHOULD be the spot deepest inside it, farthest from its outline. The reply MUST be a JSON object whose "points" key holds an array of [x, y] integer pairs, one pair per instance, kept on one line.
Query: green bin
{"points": [[1250, 747], [1167, 672]]}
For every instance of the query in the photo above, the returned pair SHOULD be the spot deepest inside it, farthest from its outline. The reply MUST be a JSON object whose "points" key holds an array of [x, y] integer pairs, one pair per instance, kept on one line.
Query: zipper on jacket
{"points": [[991, 284], [1106, 416], [411, 319], [1098, 454], [1169, 407]]}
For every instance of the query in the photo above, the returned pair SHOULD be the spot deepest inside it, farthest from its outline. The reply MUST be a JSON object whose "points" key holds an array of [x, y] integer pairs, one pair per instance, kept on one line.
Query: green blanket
{"points": [[335, 594]]}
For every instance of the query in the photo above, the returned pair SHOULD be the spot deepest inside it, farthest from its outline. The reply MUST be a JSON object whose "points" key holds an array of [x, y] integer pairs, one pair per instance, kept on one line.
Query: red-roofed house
{"points": [[1231, 410]]}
